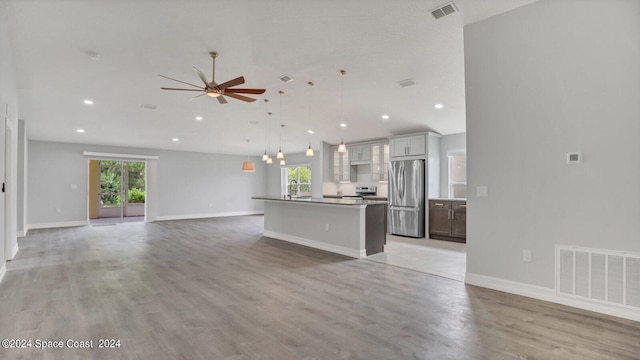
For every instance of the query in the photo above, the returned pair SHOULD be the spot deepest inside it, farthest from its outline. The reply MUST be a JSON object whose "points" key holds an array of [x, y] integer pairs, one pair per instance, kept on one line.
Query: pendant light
{"points": [[342, 148], [309, 149], [280, 154], [269, 159], [265, 156], [248, 166]]}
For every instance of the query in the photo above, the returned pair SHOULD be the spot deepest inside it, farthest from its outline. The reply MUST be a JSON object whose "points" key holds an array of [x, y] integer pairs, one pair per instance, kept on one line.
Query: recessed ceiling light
{"points": [[88, 102], [80, 130], [439, 106], [149, 106], [199, 118], [310, 131], [343, 125], [254, 122], [175, 139], [386, 117]]}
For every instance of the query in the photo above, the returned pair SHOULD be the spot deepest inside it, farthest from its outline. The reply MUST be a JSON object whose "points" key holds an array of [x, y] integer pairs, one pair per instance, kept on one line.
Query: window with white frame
{"points": [[458, 175], [296, 180]]}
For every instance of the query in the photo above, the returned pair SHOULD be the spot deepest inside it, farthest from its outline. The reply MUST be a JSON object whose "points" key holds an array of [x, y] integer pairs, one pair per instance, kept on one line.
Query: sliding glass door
{"points": [[120, 191]]}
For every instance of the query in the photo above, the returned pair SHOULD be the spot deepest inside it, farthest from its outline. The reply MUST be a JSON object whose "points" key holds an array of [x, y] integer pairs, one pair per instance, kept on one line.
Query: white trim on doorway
{"points": [[113, 156], [3, 270]]}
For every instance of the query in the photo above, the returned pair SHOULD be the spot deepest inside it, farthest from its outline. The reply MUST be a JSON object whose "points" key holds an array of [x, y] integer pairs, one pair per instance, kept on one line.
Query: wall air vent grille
{"points": [[603, 276], [444, 10]]}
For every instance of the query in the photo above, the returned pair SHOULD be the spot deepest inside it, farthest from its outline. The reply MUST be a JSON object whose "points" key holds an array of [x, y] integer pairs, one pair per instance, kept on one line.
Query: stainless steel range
{"points": [[362, 191]]}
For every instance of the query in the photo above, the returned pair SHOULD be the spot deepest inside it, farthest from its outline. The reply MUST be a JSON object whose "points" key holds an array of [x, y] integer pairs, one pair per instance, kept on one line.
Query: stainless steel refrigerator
{"points": [[406, 198]]}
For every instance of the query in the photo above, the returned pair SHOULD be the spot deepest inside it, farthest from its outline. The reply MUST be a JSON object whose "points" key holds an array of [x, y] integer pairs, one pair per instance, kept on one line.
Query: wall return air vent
{"points": [[444, 10]]}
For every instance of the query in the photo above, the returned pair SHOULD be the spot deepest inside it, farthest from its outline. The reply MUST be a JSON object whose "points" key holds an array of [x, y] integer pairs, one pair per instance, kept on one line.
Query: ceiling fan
{"points": [[215, 90]]}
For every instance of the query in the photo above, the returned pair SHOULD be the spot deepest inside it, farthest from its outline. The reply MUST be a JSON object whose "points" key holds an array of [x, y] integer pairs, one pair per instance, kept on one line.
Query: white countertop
{"points": [[313, 200]]}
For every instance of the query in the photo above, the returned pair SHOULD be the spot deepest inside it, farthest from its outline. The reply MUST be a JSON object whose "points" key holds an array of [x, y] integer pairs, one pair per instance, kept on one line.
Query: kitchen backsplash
{"points": [[332, 188]]}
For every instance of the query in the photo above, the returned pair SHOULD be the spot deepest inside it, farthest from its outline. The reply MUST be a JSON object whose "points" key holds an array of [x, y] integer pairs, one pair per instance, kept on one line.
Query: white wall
{"points": [[8, 108], [189, 184], [543, 80], [22, 179], [449, 144]]}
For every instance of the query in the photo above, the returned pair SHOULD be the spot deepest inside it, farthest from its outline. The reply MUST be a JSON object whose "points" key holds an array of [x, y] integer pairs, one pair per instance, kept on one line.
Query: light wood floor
{"points": [[217, 289]]}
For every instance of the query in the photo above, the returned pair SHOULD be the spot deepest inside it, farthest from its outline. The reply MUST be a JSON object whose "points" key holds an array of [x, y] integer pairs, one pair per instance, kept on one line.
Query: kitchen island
{"points": [[354, 228]]}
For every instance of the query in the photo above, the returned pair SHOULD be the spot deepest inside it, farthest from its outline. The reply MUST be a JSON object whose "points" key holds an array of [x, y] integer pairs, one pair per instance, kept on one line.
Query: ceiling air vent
{"points": [[286, 79], [406, 82], [444, 10]]}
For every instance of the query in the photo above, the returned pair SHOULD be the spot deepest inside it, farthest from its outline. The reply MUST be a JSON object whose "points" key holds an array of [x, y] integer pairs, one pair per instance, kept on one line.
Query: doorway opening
{"points": [[117, 191]]}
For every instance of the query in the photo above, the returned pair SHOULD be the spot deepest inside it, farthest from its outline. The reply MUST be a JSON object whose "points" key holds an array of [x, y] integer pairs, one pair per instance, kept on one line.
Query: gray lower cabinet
{"points": [[448, 220]]}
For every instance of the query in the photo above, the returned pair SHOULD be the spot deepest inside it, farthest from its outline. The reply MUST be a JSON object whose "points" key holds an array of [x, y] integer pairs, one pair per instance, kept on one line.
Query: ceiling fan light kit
{"points": [[215, 90]]}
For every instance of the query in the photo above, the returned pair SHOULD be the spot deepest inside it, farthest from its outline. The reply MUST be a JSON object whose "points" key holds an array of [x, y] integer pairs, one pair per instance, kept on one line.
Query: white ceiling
{"points": [[378, 43]]}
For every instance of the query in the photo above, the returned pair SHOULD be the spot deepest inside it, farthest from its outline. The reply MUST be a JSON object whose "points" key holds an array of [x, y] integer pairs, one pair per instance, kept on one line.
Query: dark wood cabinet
{"points": [[448, 220]]}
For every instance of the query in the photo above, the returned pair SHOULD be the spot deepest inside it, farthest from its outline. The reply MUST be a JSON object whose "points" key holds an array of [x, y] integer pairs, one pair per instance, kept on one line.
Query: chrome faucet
{"points": [[291, 187]]}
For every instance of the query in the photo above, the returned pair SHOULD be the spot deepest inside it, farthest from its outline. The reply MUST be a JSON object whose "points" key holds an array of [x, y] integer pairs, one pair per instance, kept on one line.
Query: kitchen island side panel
{"points": [[339, 229]]}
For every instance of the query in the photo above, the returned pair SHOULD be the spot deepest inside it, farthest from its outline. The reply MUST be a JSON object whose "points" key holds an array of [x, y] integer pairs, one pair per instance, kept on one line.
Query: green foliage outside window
{"points": [[111, 177], [302, 175]]}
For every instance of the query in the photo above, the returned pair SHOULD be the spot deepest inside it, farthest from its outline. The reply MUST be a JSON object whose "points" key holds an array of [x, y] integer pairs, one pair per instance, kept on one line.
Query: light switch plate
{"points": [[482, 191]]}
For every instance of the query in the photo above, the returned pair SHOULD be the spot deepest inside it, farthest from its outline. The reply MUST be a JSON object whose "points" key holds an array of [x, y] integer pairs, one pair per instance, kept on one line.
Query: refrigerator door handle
{"points": [[402, 184]]}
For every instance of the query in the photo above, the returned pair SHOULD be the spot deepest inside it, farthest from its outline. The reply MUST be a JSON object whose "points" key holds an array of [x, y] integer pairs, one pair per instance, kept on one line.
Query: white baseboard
{"points": [[57, 225], [549, 294], [211, 215], [3, 270], [358, 254], [22, 233]]}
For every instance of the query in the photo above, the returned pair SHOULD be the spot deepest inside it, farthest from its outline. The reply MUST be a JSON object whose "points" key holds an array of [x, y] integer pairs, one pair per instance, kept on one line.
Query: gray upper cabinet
{"points": [[380, 162], [413, 145], [360, 154], [341, 169]]}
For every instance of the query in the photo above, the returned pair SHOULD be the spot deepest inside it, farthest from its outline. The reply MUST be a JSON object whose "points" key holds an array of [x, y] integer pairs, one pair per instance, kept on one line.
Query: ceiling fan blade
{"points": [[197, 96], [202, 77], [164, 88], [221, 100], [230, 83], [245, 91], [166, 77], [240, 97]]}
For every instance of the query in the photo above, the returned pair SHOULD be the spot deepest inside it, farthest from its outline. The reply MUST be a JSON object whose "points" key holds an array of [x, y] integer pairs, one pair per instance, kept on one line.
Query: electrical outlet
{"points": [[482, 191], [74, 186], [58, 210], [526, 255], [326, 227]]}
